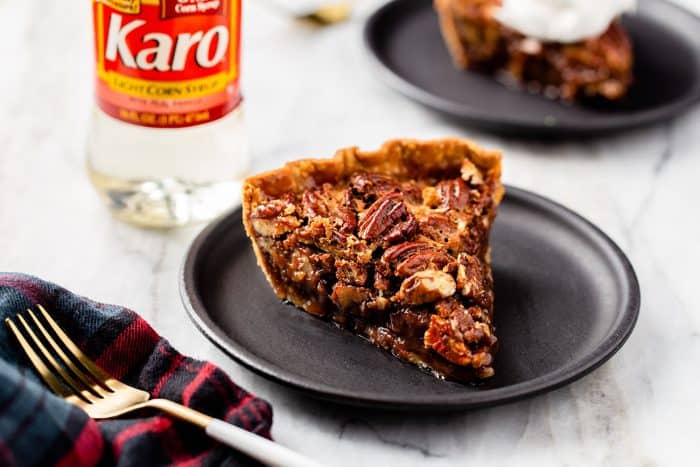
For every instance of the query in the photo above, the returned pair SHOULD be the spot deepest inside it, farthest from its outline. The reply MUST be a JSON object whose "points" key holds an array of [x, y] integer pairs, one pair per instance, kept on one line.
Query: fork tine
{"points": [[77, 387], [94, 371], [91, 383], [54, 383]]}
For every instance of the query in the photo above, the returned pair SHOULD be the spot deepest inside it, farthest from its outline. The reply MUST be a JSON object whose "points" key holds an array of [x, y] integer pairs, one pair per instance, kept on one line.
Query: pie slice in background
{"points": [[389, 244], [596, 66]]}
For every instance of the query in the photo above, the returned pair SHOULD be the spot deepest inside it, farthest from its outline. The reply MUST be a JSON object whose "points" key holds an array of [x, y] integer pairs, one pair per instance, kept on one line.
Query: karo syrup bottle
{"points": [[167, 144]]}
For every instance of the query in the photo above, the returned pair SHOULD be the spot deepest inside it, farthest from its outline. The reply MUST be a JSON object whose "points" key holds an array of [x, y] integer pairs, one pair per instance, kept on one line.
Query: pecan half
{"points": [[368, 184], [422, 261], [453, 193], [426, 287], [404, 250], [381, 216], [313, 205]]}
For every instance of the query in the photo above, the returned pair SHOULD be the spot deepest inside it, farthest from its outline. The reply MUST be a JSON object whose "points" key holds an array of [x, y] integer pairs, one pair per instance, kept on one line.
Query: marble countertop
{"points": [[309, 91]]}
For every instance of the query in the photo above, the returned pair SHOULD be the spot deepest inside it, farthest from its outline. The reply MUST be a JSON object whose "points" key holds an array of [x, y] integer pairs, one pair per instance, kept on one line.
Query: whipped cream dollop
{"points": [[561, 20]]}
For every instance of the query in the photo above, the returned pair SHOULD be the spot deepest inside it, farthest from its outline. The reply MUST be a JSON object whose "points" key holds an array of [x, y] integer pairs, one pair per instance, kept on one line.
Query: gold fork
{"points": [[73, 376]]}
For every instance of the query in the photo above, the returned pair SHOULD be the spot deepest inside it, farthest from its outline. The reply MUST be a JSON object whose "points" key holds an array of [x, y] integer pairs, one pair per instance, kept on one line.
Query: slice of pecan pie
{"points": [[597, 66], [390, 244]]}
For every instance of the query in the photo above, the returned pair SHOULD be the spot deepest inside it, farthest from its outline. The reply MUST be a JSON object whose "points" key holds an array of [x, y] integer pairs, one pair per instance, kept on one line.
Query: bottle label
{"points": [[167, 63]]}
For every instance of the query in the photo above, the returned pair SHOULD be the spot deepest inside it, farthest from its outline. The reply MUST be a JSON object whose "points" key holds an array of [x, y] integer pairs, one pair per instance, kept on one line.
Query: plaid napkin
{"points": [[38, 428]]}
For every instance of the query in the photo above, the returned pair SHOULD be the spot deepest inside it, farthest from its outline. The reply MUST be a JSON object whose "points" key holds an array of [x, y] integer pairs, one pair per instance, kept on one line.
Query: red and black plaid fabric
{"points": [[38, 428]]}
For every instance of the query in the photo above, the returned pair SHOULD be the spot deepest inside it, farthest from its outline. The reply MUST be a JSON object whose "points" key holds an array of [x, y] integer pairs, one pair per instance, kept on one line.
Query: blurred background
{"points": [[309, 90]]}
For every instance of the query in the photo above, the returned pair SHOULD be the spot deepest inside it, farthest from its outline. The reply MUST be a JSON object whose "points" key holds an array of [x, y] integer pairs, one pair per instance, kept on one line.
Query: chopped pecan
{"points": [[316, 204], [352, 202], [442, 339], [453, 193], [348, 297], [274, 208], [382, 279], [313, 232], [369, 184], [351, 272], [463, 319], [422, 261], [409, 322], [382, 337], [375, 310], [472, 240], [381, 216], [470, 173], [481, 361], [345, 219], [347, 246], [426, 287], [471, 331], [412, 193], [455, 335], [324, 262], [470, 276], [402, 230], [444, 308], [275, 227], [343, 240], [431, 197], [378, 304], [301, 269], [439, 227], [310, 271]]}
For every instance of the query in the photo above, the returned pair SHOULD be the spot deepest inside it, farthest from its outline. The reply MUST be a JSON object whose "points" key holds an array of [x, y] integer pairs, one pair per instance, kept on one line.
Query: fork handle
{"points": [[257, 447]]}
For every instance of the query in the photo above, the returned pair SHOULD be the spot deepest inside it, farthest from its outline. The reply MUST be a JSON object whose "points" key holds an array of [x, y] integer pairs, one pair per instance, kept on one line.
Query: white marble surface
{"points": [[308, 92]]}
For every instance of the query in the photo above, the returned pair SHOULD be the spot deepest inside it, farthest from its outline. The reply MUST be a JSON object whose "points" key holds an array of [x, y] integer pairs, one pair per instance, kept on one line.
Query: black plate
{"points": [[566, 300], [404, 40]]}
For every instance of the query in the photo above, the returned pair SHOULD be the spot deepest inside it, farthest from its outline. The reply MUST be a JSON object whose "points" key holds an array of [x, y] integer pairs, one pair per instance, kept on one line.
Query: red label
{"points": [[167, 63]]}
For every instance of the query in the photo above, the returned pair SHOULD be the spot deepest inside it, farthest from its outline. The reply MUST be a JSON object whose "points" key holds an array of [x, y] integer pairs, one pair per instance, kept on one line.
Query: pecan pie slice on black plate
{"points": [[390, 244], [597, 66]]}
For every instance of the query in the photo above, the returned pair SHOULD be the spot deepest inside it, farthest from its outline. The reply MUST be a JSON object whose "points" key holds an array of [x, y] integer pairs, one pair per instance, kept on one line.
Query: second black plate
{"points": [[566, 300], [404, 40]]}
